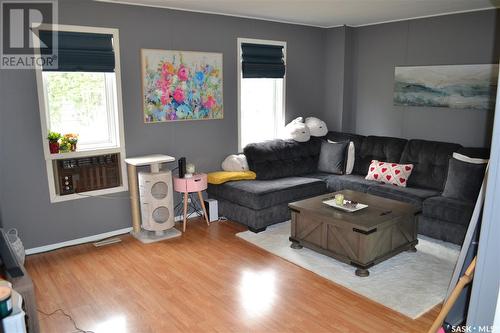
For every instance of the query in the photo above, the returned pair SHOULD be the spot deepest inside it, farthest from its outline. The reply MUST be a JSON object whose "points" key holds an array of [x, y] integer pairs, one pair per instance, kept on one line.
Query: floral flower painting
{"points": [[181, 85]]}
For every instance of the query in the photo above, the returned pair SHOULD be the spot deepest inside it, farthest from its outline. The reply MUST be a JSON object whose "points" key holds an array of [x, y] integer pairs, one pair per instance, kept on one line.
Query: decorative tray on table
{"points": [[348, 206]]}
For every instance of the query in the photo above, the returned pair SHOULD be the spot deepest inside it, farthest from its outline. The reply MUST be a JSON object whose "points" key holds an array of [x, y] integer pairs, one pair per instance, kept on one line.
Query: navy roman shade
{"points": [[80, 52], [262, 61]]}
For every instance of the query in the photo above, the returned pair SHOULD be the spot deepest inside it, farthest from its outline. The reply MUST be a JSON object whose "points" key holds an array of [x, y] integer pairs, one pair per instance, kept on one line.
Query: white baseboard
{"points": [[78, 241], [93, 238]]}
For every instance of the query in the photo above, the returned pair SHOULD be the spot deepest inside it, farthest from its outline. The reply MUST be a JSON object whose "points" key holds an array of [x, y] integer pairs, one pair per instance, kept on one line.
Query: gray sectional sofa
{"points": [[287, 171]]}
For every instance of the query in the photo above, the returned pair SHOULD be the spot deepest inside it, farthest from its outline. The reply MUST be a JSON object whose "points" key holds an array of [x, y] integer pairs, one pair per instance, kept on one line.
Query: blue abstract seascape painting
{"points": [[452, 86]]}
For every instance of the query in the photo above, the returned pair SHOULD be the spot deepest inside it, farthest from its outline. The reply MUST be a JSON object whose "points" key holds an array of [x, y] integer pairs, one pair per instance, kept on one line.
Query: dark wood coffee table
{"points": [[363, 238]]}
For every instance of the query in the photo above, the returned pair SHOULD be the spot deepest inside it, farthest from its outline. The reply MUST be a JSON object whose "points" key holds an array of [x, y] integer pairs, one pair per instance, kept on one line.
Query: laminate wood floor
{"points": [[207, 280]]}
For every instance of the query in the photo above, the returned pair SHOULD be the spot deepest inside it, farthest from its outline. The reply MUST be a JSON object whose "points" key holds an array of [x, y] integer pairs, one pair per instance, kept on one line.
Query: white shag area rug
{"points": [[409, 283]]}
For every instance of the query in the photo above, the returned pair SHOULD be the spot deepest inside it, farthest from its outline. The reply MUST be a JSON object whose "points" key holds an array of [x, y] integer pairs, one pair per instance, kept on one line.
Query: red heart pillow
{"points": [[390, 173]]}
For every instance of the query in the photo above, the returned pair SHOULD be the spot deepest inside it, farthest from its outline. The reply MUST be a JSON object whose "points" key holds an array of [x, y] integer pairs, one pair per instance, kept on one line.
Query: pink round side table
{"points": [[197, 183]]}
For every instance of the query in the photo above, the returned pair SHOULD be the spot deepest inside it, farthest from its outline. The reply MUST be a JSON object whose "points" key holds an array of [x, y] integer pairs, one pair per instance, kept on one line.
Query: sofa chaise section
{"points": [[259, 203], [259, 194], [280, 166]]}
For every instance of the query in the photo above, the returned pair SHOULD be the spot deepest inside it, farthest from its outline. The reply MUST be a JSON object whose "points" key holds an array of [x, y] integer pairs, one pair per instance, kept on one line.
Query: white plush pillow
{"points": [[297, 130], [350, 157], [317, 127], [235, 163]]}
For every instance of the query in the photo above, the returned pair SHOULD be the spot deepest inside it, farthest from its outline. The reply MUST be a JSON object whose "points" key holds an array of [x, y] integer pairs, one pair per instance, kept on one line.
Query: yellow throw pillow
{"points": [[220, 177]]}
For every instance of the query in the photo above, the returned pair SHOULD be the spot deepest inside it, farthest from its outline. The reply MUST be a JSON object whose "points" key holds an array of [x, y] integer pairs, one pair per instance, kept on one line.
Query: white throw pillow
{"points": [[350, 157], [389, 173], [235, 163], [468, 159]]}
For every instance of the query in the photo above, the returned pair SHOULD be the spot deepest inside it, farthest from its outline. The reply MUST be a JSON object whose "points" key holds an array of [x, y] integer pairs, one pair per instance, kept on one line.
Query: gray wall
{"points": [[471, 38], [334, 77], [338, 78], [25, 198]]}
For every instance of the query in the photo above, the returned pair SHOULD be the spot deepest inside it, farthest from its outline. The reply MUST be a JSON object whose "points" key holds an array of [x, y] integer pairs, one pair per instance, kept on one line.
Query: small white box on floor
{"points": [[212, 207], [14, 323]]}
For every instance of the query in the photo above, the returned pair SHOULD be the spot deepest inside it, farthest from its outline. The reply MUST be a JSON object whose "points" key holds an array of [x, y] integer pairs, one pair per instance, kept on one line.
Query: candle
{"points": [[339, 199]]}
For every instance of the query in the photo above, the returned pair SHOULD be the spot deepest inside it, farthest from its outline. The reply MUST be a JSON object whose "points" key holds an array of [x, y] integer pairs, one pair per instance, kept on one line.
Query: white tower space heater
{"points": [[156, 198]]}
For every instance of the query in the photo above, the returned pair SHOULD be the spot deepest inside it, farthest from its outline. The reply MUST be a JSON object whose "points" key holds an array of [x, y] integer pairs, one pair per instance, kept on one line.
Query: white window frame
{"points": [[240, 77], [119, 147]]}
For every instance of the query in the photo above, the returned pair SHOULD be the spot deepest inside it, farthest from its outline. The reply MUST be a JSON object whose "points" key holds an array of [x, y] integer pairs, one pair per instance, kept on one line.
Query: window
{"points": [[261, 90], [261, 110], [83, 103], [82, 95]]}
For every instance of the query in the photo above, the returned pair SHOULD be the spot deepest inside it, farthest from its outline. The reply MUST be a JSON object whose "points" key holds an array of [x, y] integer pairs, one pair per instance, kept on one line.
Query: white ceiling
{"points": [[323, 13]]}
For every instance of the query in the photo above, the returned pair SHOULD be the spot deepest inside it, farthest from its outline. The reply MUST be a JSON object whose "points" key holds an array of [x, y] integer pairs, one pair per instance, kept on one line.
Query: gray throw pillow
{"points": [[464, 180], [332, 157]]}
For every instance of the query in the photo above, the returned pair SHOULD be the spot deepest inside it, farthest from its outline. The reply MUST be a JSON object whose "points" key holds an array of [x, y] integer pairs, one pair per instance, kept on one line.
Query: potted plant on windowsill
{"points": [[69, 141], [53, 138]]}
